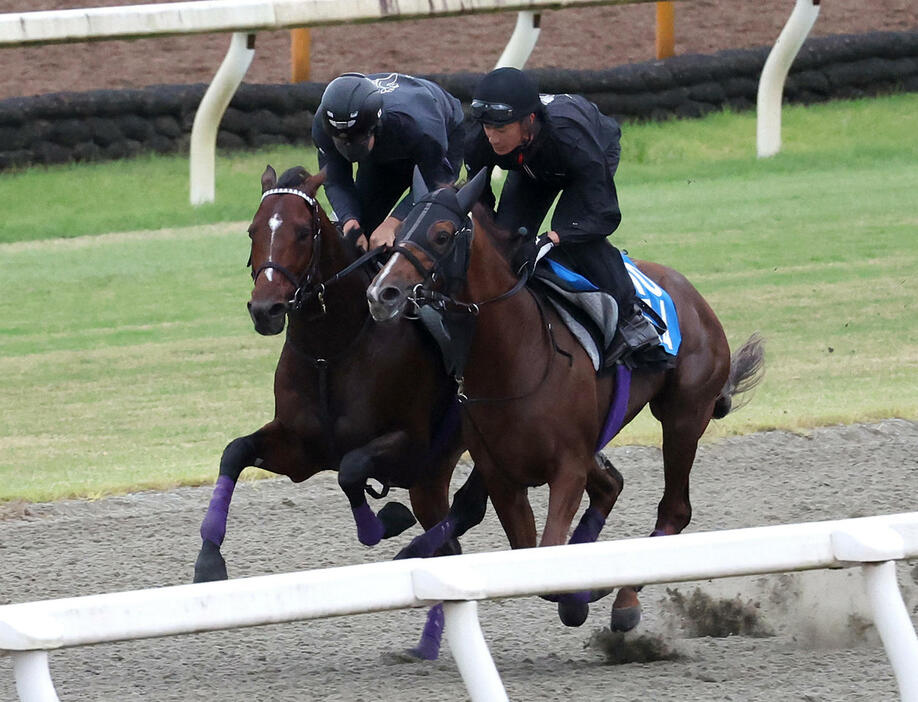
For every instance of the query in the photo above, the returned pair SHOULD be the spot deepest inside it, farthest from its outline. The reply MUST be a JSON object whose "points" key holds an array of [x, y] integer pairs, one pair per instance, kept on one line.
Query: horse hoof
{"points": [[573, 613], [625, 618], [420, 653], [210, 565], [395, 518]]}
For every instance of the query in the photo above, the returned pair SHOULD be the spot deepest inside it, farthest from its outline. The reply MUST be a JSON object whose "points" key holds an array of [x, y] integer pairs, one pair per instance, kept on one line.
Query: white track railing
{"points": [[29, 630], [245, 17], [774, 73]]}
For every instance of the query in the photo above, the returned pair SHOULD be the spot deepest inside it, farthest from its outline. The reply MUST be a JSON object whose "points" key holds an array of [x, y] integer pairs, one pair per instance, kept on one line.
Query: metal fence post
{"points": [[470, 650], [210, 112]]}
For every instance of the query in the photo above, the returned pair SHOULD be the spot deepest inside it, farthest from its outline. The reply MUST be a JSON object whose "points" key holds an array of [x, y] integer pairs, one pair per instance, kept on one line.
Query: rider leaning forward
{"points": [[563, 144], [387, 124]]}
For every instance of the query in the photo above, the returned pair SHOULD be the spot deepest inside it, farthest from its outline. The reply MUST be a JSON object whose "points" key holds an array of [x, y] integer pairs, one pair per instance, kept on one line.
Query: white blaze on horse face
{"points": [[274, 223]]}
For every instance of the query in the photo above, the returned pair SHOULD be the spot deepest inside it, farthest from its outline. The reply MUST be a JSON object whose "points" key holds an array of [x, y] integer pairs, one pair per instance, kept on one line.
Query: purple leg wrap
{"points": [[426, 544], [658, 532], [213, 528], [369, 528], [428, 647], [619, 406], [591, 523]]}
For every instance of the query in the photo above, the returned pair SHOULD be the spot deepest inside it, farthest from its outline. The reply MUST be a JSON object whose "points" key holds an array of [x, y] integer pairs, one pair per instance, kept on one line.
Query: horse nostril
{"points": [[390, 294], [277, 309]]}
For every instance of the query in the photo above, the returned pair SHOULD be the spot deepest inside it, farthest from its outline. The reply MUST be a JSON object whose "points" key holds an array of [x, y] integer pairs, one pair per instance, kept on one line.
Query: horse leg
{"points": [[467, 510], [603, 486], [239, 454], [273, 448], [680, 443], [356, 467]]}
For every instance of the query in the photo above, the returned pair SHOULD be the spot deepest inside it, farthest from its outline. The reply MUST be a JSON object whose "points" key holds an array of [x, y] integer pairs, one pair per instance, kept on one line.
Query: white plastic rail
{"points": [[29, 630], [771, 84]]}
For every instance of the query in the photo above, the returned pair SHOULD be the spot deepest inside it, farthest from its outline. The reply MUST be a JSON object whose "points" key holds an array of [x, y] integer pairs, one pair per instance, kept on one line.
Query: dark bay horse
{"points": [[534, 409], [370, 401]]}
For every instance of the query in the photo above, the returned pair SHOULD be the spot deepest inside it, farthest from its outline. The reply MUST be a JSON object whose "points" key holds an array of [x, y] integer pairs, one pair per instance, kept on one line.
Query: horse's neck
{"points": [[505, 328]]}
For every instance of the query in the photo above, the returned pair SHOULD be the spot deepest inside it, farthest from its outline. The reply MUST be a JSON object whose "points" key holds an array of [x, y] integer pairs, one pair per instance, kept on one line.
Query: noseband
{"points": [[300, 284]]}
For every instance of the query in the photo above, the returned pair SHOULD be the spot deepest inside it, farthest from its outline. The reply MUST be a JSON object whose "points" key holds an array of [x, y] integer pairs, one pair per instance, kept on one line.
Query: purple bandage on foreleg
{"points": [[591, 523], [370, 529], [213, 528], [428, 647], [428, 543]]}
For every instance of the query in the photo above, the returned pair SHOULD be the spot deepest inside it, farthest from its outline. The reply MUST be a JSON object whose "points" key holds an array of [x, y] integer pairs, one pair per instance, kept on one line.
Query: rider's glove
{"points": [[529, 252], [542, 246], [353, 236]]}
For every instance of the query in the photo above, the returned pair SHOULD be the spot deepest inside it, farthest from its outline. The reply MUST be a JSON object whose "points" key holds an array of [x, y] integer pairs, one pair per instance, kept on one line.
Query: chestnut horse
{"points": [[370, 401], [534, 409]]}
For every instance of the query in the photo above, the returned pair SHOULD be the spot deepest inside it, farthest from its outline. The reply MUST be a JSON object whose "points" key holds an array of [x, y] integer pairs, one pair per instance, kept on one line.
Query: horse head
{"points": [[432, 247], [286, 245]]}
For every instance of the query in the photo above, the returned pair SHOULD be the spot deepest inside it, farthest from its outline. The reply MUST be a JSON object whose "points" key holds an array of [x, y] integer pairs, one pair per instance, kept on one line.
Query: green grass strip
{"points": [[129, 360]]}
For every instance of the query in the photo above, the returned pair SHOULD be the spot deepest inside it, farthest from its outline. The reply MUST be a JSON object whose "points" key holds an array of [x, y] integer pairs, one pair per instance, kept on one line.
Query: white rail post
{"points": [[210, 112], [469, 648], [771, 83], [890, 616], [522, 41], [33, 677]]}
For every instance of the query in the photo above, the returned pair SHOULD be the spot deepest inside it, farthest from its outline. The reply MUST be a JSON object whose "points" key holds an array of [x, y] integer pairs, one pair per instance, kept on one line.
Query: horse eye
{"points": [[442, 237]]}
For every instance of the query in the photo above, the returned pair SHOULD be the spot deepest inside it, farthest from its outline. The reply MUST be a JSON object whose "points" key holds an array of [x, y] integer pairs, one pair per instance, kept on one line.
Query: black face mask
{"points": [[355, 149]]}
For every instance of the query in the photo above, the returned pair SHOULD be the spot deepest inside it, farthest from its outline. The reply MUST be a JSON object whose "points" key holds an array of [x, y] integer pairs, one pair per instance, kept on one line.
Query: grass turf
{"points": [[129, 360]]}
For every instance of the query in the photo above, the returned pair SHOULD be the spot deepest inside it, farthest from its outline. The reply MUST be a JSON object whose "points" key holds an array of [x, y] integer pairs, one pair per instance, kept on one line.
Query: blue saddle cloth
{"points": [[647, 290]]}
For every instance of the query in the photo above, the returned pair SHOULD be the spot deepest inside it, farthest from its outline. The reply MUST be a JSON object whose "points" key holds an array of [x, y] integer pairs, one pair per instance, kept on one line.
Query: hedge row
{"points": [[113, 124]]}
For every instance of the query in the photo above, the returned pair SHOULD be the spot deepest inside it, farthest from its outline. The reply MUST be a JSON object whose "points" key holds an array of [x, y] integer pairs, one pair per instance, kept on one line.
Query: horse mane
{"points": [[293, 177], [505, 241]]}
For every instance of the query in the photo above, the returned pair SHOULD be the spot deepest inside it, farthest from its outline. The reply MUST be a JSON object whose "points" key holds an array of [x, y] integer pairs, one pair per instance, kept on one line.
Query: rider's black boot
{"points": [[636, 343]]}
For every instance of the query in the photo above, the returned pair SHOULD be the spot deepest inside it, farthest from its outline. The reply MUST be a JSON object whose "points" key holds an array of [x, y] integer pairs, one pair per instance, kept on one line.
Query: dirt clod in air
{"points": [[702, 615]]}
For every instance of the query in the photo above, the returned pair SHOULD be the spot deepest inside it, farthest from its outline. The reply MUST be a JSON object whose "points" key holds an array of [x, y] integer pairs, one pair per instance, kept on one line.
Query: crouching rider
{"points": [[553, 144], [386, 123]]}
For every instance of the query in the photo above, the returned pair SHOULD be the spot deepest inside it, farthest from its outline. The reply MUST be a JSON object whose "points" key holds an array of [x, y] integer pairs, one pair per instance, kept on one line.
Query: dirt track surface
{"points": [[822, 649], [590, 38]]}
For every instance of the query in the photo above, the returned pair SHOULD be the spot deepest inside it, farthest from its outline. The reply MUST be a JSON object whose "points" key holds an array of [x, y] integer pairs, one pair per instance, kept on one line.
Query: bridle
{"points": [[304, 286], [451, 266], [302, 283]]}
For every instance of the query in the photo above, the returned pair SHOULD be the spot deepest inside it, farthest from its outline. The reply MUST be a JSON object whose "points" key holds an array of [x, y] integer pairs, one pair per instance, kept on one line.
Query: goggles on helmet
{"points": [[493, 112]]}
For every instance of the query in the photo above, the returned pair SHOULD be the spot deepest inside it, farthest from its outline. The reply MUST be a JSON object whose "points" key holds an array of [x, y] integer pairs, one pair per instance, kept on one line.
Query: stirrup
{"points": [[638, 332]]}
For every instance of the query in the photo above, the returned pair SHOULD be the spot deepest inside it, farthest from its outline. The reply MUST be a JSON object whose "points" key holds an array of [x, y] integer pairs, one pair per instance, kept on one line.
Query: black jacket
{"points": [[418, 118], [575, 152]]}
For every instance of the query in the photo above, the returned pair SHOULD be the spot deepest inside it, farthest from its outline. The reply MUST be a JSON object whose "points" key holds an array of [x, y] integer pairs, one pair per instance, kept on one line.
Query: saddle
{"points": [[592, 315]]}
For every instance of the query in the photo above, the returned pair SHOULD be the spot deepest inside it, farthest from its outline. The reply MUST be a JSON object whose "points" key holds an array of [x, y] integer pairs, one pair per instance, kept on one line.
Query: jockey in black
{"points": [[387, 124], [551, 144]]}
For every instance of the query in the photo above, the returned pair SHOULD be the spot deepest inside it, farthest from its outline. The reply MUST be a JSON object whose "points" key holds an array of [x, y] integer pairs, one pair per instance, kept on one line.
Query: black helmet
{"points": [[349, 112], [505, 95]]}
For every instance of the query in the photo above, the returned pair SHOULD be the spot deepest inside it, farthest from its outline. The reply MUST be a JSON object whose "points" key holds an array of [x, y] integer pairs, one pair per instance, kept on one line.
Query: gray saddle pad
{"points": [[597, 306]]}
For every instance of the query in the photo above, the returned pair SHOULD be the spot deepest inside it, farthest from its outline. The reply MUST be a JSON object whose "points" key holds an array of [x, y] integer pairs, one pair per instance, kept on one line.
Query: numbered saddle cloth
{"points": [[592, 314]]}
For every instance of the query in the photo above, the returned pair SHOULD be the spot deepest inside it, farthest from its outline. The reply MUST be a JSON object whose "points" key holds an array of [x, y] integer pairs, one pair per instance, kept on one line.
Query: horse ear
{"points": [[418, 186], [314, 182], [268, 179], [470, 192]]}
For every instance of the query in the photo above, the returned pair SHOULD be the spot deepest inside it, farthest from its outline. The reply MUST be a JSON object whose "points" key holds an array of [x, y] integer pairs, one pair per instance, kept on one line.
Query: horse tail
{"points": [[747, 366]]}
